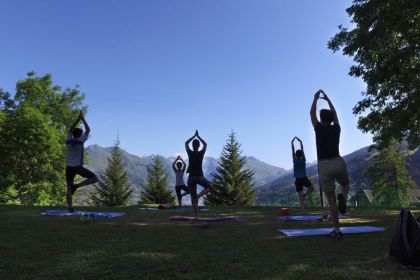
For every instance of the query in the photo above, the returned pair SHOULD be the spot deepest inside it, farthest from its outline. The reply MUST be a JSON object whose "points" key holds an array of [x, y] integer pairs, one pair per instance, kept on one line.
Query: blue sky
{"points": [[154, 71]]}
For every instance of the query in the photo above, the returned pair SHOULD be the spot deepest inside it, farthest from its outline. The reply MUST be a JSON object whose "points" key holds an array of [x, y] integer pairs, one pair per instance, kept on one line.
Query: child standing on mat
{"points": [[195, 170], [299, 168], [331, 166], [179, 167], [74, 159]]}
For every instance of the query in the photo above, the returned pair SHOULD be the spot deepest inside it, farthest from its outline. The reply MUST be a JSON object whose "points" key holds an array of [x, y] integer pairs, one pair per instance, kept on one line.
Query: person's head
{"points": [[179, 165], [77, 132], [299, 154], [196, 144], [326, 116]]}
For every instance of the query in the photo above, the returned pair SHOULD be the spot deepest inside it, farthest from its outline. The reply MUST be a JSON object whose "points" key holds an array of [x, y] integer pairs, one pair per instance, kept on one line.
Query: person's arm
{"points": [[202, 141], [332, 108], [293, 149], [301, 147], [184, 166], [75, 123], [174, 165], [187, 143], [314, 118], [87, 128]]}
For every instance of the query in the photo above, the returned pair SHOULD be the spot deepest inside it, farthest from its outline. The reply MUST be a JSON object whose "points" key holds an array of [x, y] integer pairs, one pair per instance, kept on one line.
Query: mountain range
{"points": [[268, 179]]}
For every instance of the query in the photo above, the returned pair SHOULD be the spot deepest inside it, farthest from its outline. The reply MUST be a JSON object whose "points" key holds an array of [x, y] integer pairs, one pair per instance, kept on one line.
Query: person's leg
{"points": [[343, 180], [192, 188], [178, 195], [332, 204], [206, 185], [91, 178], [301, 202], [70, 174]]}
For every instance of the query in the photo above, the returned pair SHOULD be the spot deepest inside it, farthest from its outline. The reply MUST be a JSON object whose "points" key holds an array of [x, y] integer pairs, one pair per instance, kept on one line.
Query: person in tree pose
{"points": [[331, 166], [299, 168], [179, 167], [74, 160], [195, 170]]}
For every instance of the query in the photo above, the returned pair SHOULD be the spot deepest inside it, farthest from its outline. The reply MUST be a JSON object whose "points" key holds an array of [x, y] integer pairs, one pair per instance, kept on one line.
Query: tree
{"points": [[232, 182], [390, 178], [157, 187], [115, 189], [385, 47], [33, 125]]}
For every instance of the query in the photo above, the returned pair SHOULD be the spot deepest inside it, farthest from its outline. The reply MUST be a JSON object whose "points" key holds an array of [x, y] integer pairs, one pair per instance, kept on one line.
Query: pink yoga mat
{"points": [[205, 219]]}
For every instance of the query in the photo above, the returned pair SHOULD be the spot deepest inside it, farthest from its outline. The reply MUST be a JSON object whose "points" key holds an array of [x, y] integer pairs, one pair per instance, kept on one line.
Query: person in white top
{"points": [[74, 160], [179, 167]]}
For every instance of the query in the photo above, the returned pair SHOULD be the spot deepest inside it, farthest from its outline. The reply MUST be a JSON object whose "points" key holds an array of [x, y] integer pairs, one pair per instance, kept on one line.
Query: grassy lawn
{"points": [[145, 245]]}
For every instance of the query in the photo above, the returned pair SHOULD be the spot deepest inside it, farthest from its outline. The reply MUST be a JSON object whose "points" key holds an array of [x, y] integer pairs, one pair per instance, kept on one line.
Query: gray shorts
{"points": [[330, 171]]}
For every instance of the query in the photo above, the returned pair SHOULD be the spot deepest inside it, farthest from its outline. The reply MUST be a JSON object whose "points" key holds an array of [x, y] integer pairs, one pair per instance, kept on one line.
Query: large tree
{"points": [[385, 46], [32, 131], [156, 190], [114, 188], [389, 177], [232, 181]]}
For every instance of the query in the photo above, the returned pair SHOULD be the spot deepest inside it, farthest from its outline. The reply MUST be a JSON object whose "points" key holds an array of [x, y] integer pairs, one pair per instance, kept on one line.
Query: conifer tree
{"points": [[390, 178], [157, 190], [232, 182], [115, 189]]}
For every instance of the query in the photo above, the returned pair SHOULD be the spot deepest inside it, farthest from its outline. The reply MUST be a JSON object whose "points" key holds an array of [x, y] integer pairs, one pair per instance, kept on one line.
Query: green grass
{"points": [[145, 245]]}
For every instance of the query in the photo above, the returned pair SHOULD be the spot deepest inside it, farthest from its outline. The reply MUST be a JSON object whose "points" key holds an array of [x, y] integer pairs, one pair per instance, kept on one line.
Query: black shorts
{"points": [[178, 190], [72, 171], [303, 182]]}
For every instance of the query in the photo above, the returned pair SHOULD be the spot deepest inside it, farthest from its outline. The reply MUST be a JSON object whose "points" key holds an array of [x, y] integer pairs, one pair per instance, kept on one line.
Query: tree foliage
{"points": [[115, 189], [156, 190], [32, 132], [390, 178], [232, 182], [385, 46]]}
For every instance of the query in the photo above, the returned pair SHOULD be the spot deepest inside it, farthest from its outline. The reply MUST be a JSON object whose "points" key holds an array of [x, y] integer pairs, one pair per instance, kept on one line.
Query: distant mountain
{"points": [[137, 169], [357, 164]]}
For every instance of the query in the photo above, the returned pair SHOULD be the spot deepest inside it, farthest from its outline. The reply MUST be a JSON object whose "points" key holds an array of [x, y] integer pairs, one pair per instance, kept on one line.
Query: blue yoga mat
{"points": [[307, 218], [83, 213], [173, 209], [326, 231]]}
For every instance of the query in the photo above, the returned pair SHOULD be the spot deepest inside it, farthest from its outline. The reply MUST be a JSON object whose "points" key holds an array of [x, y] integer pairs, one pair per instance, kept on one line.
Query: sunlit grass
{"points": [[146, 245]]}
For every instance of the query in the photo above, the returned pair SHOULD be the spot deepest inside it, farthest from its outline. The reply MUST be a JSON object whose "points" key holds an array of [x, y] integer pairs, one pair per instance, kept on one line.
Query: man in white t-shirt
{"points": [[74, 160]]}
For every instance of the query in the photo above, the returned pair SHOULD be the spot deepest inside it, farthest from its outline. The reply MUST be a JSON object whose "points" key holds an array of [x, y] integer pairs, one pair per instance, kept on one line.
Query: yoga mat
{"points": [[326, 231], [83, 213], [173, 209], [205, 219], [307, 218]]}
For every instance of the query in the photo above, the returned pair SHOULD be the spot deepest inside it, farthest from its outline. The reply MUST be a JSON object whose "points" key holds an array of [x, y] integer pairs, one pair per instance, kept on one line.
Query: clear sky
{"points": [[153, 71]]}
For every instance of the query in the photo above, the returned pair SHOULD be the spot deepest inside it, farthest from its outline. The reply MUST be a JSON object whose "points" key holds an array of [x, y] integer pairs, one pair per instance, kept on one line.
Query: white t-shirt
{"points": [[179, 178], [75, 149]]}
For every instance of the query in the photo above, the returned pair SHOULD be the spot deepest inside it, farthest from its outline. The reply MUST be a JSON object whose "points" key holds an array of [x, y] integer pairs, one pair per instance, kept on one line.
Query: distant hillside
{"points": [[137, 169], [357, 163]]}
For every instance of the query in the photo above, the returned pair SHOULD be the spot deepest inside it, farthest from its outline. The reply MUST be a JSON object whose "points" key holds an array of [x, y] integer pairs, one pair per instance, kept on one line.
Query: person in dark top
{"points": [[195, 170], [331, 166], [299, 169], [179, 167]]}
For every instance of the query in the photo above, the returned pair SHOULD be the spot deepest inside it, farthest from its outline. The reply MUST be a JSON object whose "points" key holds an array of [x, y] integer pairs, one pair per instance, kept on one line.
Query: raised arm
{"points": [[75, 123], [314, 118], [187, 143], [87, 128], [202, 141], [293, 149], [301, 146], [174, 165], [184, 166], [332, 108]]}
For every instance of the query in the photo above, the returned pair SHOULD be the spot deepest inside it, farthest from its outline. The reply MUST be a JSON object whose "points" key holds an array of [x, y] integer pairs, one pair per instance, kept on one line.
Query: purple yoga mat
{"points": [[307, 218], [205, 219]]}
